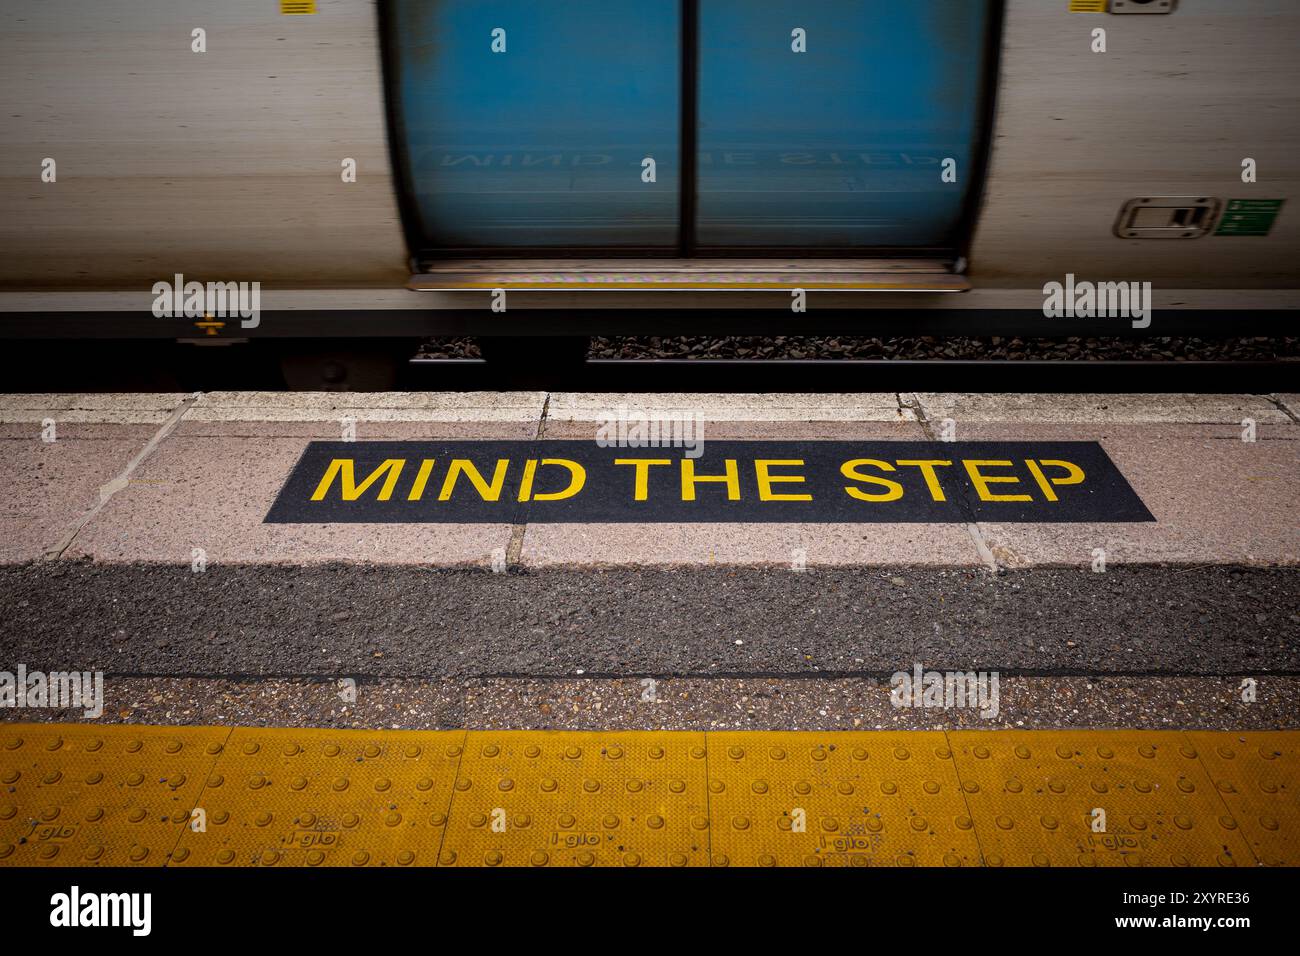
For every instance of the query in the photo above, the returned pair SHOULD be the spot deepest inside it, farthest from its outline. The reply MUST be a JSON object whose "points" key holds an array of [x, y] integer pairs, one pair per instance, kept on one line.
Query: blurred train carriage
{"points": [[385, 171]]}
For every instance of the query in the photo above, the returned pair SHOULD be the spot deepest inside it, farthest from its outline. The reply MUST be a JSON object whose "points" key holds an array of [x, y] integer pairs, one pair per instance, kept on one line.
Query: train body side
{"points": [[226, 164]]}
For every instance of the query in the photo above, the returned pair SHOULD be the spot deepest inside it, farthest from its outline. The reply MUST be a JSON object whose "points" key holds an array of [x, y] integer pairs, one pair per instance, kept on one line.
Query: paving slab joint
{"points": [[1283, 407], [515, 548], [123, 479]]}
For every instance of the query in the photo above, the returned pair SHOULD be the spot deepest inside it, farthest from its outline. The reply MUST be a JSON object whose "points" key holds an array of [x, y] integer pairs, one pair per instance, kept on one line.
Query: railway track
{"points": [[372, 365]]}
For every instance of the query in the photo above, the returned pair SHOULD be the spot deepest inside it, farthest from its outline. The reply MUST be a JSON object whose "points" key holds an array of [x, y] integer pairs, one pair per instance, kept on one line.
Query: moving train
{"points": [[308, 170]]}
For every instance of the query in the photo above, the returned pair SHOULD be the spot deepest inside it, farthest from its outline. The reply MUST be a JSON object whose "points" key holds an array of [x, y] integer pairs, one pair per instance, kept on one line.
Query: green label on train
{"points": [[1249, 217], [570, 481]]}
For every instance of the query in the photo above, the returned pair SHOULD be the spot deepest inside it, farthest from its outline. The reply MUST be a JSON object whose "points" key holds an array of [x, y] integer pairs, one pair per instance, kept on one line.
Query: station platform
{"points": [[383, 579], [150, 478], [220, 796]]}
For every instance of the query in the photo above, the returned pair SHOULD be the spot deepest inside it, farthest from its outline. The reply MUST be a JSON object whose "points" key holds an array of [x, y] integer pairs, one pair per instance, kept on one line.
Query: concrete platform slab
{"points": [[1215, 501], [218, 460], [1099, 408], [807, 417], [48, 486], [119, 408], [57, 451], [982, 416], [371, 416], [723, 406], [206, 496]]}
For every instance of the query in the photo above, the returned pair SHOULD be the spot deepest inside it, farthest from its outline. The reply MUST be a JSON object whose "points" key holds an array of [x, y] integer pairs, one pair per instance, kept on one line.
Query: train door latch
{"points": [[1167, 217]]}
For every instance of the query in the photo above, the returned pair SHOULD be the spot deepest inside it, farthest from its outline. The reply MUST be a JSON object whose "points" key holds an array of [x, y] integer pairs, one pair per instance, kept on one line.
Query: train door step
{"points": [[690, 275]]}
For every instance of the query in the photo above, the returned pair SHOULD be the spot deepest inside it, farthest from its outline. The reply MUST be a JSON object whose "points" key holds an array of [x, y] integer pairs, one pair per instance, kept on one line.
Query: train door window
{"points": [[522, 125], [825, 124], [810, 127]]}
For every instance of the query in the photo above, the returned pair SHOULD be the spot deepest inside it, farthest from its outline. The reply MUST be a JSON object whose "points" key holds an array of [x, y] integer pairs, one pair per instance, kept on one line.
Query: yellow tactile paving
{"points": [[1035, 796], [325, 798], [128, 795], [627, 798], [1257, 776], [839, 799], [72, 795]]}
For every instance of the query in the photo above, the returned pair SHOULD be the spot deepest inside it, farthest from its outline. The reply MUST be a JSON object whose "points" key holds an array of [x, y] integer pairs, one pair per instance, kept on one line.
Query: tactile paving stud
{"points": [[837, 799], [1034, 797], [1257, 776], [99, 796], [626, 798], [326, 798]]}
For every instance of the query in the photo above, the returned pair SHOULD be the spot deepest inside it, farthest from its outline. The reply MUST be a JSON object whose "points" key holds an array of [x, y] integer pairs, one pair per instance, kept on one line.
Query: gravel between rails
{"points": [[1166, 348]]}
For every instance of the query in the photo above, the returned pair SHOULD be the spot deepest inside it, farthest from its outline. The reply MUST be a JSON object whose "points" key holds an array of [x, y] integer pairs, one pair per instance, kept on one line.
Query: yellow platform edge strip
{"points": [[123, 795], [637, 286]]}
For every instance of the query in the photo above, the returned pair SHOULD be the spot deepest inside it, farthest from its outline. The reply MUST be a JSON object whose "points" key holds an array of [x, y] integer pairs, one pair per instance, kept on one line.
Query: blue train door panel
{"points": [[811, 126], [526, 124], [841, 145]]}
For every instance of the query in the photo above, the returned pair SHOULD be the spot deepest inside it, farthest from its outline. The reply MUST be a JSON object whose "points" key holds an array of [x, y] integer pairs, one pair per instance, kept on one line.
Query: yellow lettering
{"points": [[1074, 475], [421, 479], [765, 480], [642, 465], [931, 479], [343, 468], [577, 479], [690, 479], [850, 470], [486, 492], [982, 482]]}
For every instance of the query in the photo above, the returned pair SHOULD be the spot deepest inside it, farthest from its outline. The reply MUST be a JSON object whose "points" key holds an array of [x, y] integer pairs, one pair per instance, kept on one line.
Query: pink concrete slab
{"points": [[373, 416], [1096, 407], [778, 545], [1216, 501], [48, 486], [213, 492], [1011, 416], [365, 430], [1157, 431], [793, 431]]}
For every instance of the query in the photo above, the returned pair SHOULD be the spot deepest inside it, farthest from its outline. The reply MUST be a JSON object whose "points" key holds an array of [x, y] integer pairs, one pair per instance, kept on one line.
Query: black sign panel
{"points": [[718, 481]]}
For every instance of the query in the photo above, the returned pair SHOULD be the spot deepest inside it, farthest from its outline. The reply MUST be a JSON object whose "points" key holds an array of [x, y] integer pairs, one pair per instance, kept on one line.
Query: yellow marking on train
{"points": [[210, 325], [834, 280], [297, 7], [666, 285], [127, 795], [1089, 6]]}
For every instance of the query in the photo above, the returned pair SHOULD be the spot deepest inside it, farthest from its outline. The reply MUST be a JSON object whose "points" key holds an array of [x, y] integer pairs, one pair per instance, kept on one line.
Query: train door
{"points": [[684, 128]]}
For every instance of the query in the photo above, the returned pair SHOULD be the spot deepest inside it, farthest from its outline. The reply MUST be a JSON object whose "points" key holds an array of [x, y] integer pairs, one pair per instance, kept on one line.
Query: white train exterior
{"points": [[227, 164]]}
